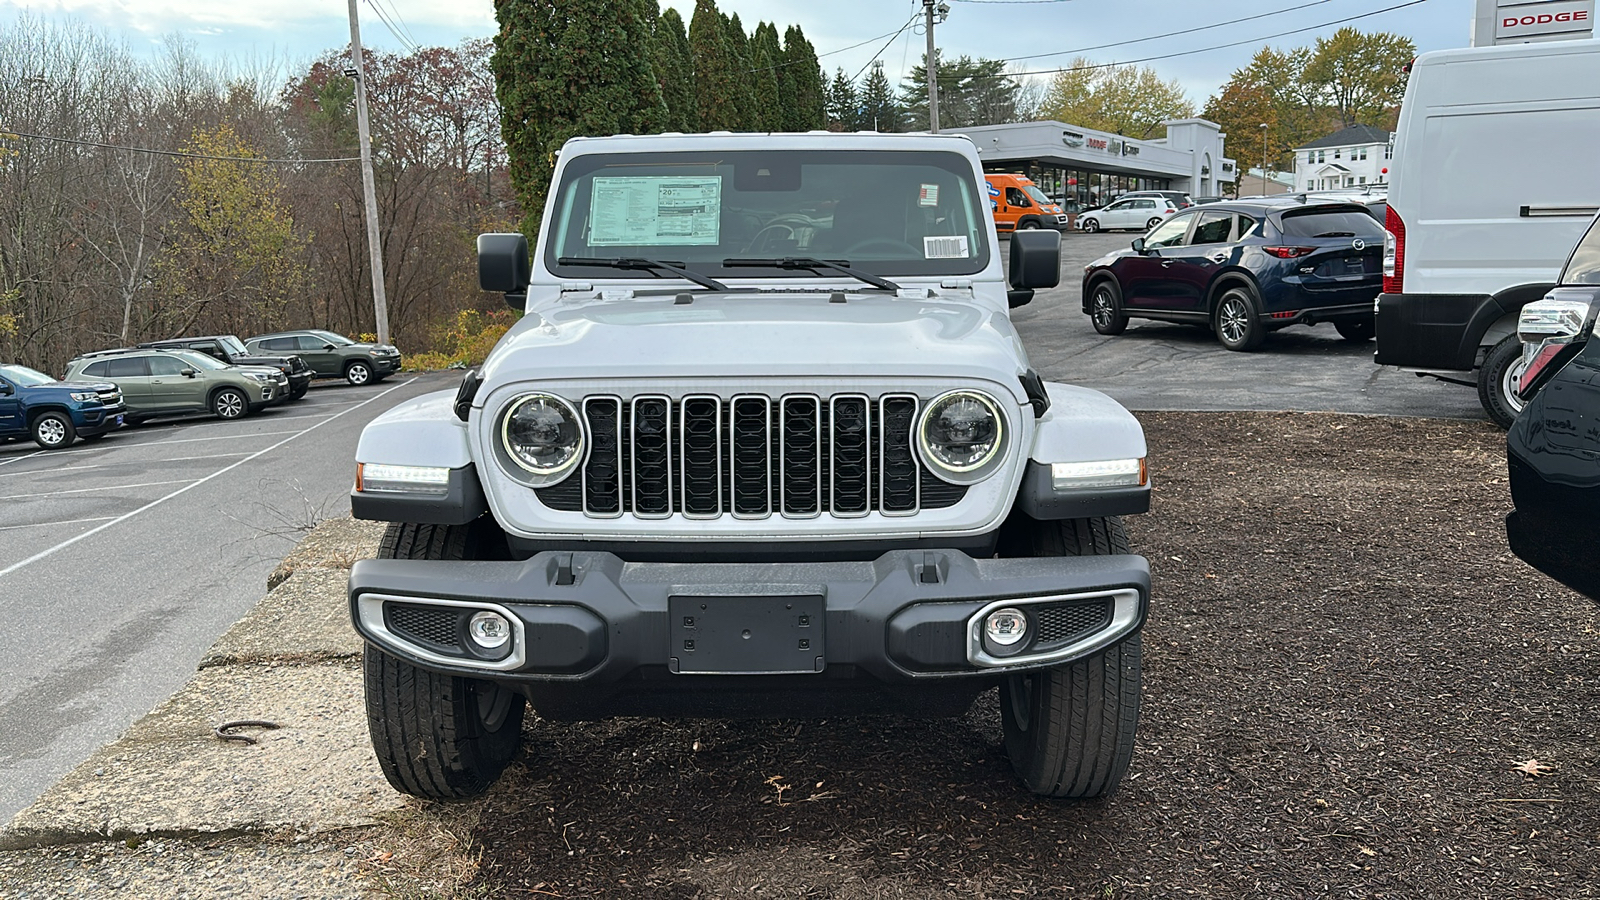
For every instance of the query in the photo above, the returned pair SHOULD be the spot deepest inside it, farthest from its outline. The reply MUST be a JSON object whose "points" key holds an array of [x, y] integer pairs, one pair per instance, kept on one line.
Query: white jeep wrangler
{"points": [[765, 444]]}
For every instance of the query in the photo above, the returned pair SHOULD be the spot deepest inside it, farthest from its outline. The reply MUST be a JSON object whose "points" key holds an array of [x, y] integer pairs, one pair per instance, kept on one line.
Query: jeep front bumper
{"points": [[592, 635]]}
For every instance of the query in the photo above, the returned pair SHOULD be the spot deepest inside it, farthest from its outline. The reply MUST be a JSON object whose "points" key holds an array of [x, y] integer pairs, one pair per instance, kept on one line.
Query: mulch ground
{"points": [[1343, 665]]}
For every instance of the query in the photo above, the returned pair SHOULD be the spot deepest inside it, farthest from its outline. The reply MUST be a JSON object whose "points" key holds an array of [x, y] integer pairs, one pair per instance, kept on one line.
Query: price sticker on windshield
{"points": [[929, 195], [948, 247]]}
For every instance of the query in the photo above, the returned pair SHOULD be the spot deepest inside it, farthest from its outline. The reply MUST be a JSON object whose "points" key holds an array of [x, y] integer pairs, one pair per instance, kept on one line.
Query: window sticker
{"points": [[655, 210], [952, 247], [929, 195]]}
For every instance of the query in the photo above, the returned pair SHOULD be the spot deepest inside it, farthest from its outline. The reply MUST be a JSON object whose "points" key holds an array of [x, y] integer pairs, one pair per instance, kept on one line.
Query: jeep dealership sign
{"points": [[1521, 21]]}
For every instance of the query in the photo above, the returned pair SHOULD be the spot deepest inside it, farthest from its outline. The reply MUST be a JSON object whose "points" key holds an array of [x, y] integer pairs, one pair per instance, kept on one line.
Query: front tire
{"points": [[439, 737], [1090, 226], [1028, 225], [358, 373], [1236, 322], [1069, 729], [52, 430], [230, 403], [297, 393], [1151, 225], [1357, 332], [1497, 381], [1105, 308]]}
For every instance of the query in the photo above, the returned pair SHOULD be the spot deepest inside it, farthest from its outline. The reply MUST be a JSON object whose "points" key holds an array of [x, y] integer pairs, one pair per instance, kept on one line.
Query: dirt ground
{"points": [[1343, 666]]}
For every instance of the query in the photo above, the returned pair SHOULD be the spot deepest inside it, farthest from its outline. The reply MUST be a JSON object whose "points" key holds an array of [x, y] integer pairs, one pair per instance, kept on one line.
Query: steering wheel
{"points": [[883, 242], [779, 231]]}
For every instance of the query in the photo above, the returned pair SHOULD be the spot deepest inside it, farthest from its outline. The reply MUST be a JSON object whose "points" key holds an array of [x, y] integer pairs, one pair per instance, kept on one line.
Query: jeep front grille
{"points": [[751, 456]]}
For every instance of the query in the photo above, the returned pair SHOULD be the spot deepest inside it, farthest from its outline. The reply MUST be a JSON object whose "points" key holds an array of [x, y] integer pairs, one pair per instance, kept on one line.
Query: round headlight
{"points": [[542, 434], [961, 432]]}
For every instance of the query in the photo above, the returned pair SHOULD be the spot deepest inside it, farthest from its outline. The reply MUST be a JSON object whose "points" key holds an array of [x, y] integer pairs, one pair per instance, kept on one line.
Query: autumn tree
{"points": [[565, 68], [1126, 100], [1361, 76]]}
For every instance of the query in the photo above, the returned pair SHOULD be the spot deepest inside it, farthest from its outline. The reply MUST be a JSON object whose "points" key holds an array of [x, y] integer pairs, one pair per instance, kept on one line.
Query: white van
{"points": [[1495, 173]]}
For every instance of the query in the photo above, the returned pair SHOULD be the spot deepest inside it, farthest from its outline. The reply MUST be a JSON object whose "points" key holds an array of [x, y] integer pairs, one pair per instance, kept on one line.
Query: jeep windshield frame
{"points": [[901, 213]]}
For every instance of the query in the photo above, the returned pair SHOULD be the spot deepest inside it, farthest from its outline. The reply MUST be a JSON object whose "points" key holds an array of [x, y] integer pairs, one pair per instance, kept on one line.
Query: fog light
{"points": [[1005, 627], [489, 630]]}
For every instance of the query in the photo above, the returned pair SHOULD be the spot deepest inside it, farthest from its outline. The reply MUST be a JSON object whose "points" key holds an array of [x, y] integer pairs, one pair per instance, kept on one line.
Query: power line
{"points": [[885, 46], [394, 13], [404, 42], [869, 40], [177, 153], [1156, 37]]}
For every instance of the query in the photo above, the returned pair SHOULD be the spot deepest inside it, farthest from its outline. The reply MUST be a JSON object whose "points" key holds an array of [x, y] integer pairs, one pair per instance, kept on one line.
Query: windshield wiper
{"points": [[811, 264], [654, 266]]}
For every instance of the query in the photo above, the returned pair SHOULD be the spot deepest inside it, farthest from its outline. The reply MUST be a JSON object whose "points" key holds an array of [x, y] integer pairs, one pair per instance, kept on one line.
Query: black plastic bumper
{"points": [[91, 422], [598, 636], [1434, 331]]}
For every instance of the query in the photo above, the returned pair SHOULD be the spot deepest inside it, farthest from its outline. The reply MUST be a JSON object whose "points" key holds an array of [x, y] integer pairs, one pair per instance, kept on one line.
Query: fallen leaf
{"points": [[1533, 768]]}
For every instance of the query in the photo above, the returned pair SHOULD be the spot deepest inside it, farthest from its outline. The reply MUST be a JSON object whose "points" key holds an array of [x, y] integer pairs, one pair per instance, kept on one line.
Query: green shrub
{"points": [[464, 342]]}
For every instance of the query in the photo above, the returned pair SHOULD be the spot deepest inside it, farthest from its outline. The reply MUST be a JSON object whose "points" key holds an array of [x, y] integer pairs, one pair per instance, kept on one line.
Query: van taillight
{"points": [[1394, 253]]}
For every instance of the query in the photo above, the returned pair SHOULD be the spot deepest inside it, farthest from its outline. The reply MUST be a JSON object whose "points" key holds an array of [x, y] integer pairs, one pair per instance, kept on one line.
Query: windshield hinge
{"points": [[617, 294], [956, 284], [573, 287], [913, 293]]}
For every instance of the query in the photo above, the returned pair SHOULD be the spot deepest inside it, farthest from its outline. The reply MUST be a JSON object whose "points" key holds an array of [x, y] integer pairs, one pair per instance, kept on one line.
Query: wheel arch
{"points": [[34, 411], [1094, 280], [1228, 278]]}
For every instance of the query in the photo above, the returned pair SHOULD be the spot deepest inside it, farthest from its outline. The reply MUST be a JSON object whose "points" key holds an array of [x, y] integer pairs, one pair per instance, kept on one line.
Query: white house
{"points": [[1353, 157]]}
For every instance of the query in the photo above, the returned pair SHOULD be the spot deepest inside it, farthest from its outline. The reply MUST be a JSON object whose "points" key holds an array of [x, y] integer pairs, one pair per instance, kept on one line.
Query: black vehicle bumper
{"points": [[595, 636], [383, 366], [1350, 312], [90, 422], [299, 382], [1434, 331]]}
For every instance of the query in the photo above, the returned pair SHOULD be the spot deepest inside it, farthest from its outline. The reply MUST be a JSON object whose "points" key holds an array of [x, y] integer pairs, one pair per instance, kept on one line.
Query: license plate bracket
{"points": [[745, 635]]}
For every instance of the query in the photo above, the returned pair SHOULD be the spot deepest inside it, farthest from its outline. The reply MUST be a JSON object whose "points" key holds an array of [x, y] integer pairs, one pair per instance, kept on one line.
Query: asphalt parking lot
{"points": [[122, 560], [1161, 366]]}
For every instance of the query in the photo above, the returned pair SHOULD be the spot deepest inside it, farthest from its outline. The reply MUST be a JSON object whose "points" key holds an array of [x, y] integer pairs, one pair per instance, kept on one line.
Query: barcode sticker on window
{"points": [[945, 247]]}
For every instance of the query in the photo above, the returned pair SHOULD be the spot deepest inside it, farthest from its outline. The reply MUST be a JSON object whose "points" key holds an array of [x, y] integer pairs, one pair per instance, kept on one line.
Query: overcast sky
{"points": [[297, 30]]}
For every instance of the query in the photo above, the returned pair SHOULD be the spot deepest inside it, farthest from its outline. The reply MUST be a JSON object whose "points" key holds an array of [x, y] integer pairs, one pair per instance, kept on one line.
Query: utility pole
{"points": [[929, 9], [1263, 159], [380, 302]]}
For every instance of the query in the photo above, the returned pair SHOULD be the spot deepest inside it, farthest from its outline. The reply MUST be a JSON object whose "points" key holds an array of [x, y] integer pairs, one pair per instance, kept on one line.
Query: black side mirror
{"points": [[188, 373], [503, 267], [6, 390], [327, 346], [1035, 259], [1138, 245]]}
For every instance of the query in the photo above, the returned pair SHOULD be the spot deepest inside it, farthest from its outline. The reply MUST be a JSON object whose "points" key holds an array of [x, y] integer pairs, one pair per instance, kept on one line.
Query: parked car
{"points": [[332, 355], [32, 404], [1128, 214], [1471, 240], [1178, 199], [1244, 268], [229, 349], [735, 485], [1553, 446], [159, 382]]}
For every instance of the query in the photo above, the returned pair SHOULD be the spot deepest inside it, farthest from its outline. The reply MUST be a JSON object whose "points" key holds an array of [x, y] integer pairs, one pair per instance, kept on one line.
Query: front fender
{"points": [[423, 431], [1082, 425]]}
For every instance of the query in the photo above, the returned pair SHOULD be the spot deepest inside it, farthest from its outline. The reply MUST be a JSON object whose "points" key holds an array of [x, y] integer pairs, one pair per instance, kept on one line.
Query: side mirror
{"points": [[1138, 245], [503, 266], [1035, 260], [327, 346], [6, 390], [188, 373]]}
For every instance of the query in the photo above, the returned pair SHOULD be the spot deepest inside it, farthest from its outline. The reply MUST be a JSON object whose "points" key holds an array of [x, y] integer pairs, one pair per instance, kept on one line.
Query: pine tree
{"points": [[806, 111], [716, 100], [879, 111], [743, 80], [844, 109], [567, 70], [765, 55], [783, 74], [675, 72]]}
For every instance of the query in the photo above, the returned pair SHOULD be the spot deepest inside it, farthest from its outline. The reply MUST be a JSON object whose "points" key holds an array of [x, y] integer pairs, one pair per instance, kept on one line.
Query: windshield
{"points": [[200, 360], [338, 340], [1038, 195], [234, 346], [1584, 266], [884, 212], [25, 376]]}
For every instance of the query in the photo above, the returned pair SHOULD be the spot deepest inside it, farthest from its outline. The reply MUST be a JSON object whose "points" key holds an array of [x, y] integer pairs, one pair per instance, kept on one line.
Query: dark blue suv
{"points": [[1244, 268], [54, 412]]}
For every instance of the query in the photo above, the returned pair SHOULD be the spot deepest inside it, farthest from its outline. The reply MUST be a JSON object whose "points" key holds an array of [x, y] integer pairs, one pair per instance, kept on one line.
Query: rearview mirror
{"points": [[1035, 259], [503, 266], [1138, 245]]}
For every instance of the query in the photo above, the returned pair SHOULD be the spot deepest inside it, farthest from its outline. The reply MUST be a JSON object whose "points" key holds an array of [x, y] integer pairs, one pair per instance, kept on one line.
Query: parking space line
{"points": [[51, 551], [52, 471], [21, 458], [216, 437], [127, 462], [63, 522], [93, 490]]}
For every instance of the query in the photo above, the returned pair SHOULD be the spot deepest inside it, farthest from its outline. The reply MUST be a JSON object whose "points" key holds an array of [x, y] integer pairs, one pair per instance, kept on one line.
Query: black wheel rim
{"points": [[1102, 308], [1233, 320]]}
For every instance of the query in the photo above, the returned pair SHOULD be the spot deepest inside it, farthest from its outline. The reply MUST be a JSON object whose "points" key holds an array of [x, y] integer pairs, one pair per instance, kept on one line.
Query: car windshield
{"points": [[200, 360], [1037, 195], [883, 212], [25, 376], [234, 346], [1333, 223], [1584, 266], [338, 340]]}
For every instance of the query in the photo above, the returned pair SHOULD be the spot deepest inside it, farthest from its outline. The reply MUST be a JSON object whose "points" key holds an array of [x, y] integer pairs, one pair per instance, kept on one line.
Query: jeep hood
{"points": [[751, 335]]}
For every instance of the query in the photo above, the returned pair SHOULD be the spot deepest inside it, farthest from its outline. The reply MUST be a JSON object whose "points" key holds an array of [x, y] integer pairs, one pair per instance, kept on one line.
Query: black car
{"points": [[1244, 268], [1553, 447], [229, 349]]}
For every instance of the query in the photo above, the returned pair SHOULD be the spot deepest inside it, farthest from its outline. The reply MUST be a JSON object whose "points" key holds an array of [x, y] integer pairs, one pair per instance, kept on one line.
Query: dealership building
{"points": [[1090, 168]]}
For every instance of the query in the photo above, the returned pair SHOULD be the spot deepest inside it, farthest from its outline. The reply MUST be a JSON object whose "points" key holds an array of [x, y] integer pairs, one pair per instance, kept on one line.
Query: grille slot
{"points": [[1063, 623], [436, 627], [752, 455]]}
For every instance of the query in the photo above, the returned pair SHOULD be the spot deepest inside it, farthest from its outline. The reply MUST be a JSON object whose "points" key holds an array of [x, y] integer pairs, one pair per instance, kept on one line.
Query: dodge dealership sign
{"points": [[1519, 21]]}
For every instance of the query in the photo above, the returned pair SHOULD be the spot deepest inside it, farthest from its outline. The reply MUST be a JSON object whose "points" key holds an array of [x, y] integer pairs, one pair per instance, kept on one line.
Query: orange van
{"points": [[1019, 204]]}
